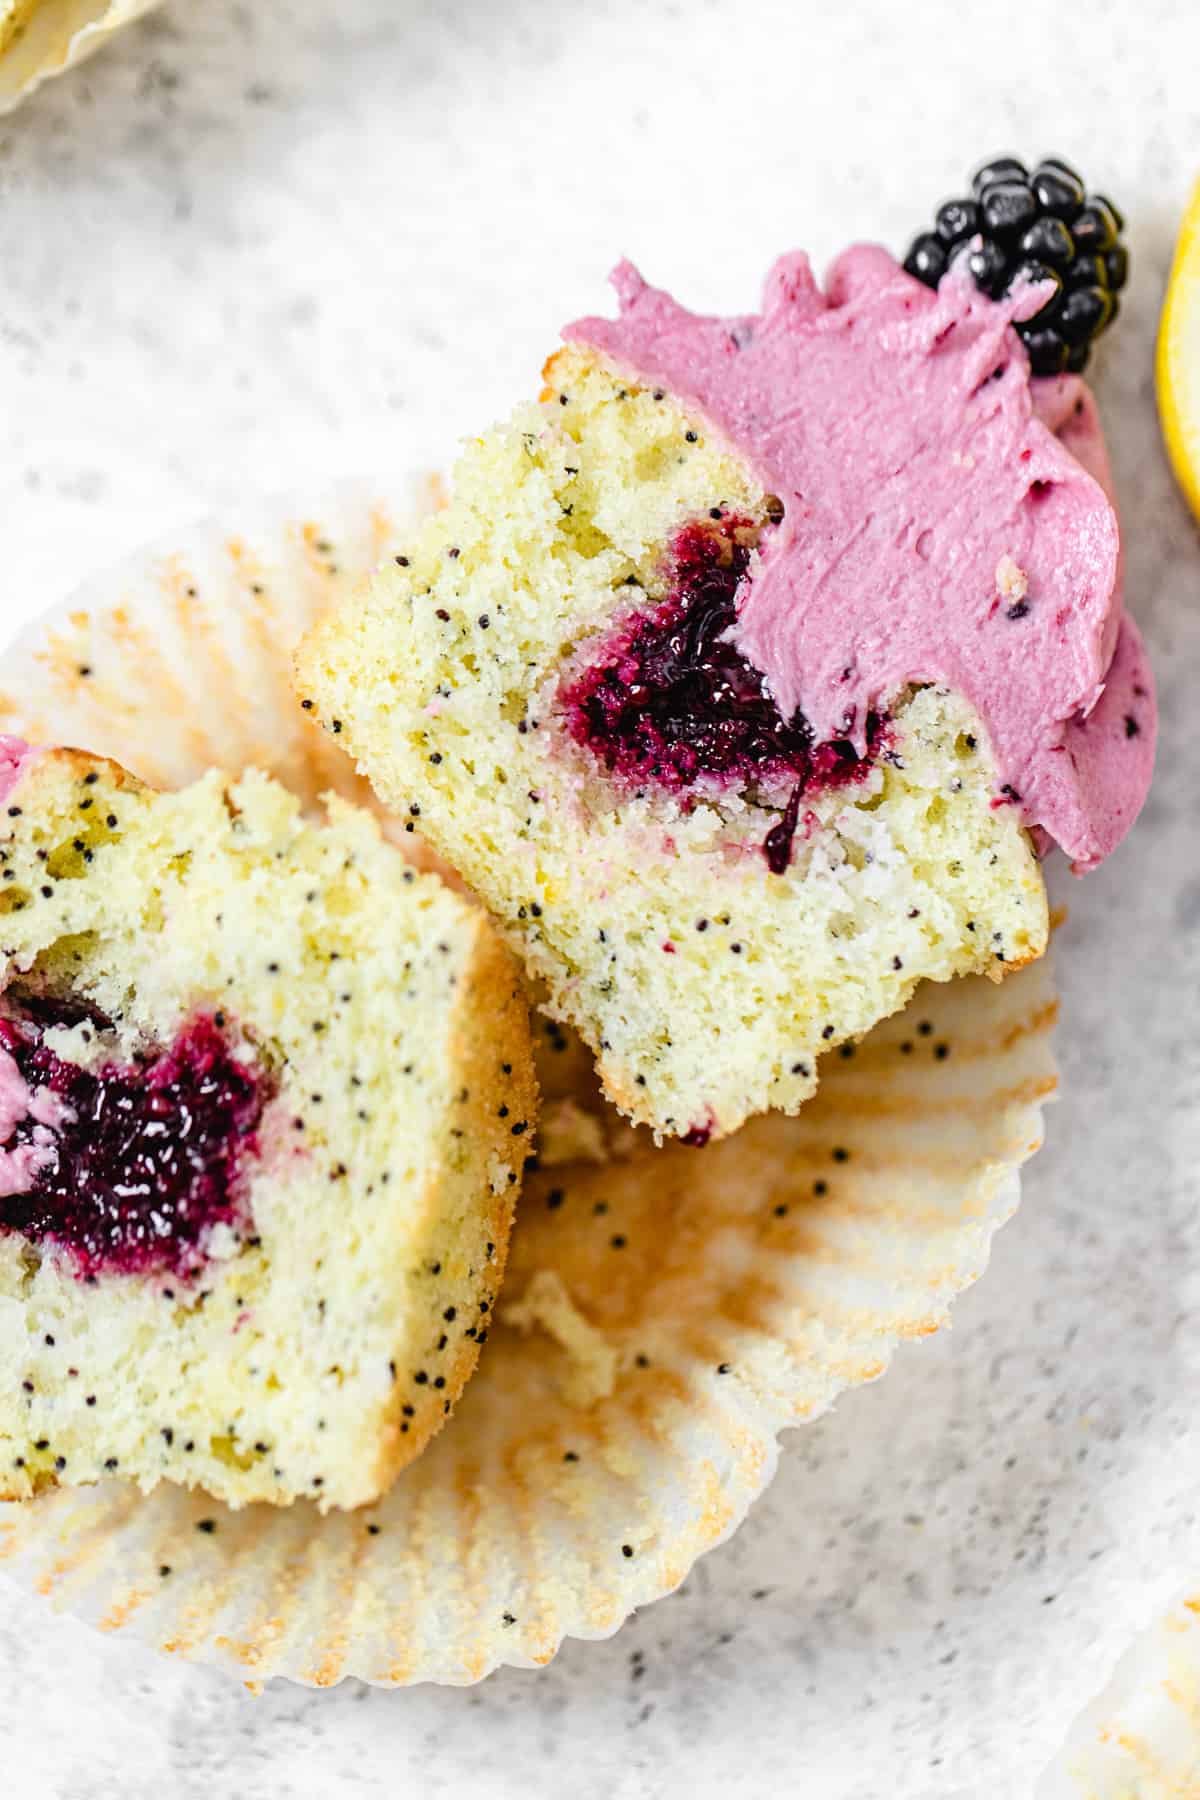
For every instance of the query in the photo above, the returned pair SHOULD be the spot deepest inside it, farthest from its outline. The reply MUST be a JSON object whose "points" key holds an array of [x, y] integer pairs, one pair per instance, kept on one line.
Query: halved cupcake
{"points": [[265, 1096], [748, 673]]}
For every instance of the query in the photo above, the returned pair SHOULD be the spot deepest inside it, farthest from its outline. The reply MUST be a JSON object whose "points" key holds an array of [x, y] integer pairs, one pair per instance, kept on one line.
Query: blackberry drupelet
{"points": [[1044, 226]]}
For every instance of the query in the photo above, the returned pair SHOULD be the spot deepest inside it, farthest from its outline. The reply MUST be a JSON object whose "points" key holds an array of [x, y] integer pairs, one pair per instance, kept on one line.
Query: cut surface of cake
{"points": [[265, 1096], [748, 673]]}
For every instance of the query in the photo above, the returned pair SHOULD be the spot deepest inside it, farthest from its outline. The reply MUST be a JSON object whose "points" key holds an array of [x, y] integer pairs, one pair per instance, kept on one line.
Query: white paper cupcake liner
{"points": [[666, 1312], [1140, 1738], [55, 36]]}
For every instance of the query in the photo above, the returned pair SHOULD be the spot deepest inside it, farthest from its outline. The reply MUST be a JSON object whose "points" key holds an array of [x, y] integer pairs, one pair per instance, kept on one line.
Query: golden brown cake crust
{"points": [[490, 1032]]}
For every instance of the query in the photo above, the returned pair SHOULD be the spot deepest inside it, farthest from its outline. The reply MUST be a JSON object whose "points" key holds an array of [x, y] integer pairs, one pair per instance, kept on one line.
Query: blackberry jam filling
{"points": [[672, 701], [132, 1165]]}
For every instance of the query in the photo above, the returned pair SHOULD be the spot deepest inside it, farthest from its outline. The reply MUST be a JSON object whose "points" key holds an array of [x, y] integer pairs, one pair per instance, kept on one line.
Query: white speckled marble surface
{"points": [[251, 247]]}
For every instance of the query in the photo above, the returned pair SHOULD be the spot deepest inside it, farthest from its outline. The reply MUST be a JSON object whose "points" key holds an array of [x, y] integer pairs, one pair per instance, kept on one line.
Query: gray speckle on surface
{"points": [[255, 248]]}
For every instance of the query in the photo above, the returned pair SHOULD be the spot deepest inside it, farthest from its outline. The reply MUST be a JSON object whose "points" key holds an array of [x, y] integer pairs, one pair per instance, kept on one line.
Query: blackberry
{"points": [[1043, 225]]}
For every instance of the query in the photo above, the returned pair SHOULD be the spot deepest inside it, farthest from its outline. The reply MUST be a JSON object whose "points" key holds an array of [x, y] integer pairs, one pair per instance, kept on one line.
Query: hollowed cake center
{"points": [[670, 700], [125, 1166]]}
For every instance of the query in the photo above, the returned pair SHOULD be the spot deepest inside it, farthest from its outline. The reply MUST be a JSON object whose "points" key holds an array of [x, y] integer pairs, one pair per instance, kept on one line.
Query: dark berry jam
{"points": [[671, 701], [141, 1160]]}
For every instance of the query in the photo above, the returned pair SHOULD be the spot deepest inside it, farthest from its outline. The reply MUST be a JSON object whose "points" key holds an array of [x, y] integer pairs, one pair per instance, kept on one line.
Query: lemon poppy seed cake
{"points": [[265, 1096], [750, 671]]}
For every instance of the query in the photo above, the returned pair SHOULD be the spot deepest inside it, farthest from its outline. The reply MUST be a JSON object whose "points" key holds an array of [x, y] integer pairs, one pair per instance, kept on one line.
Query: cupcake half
{"points": [[265, 1094], [747, 674]]}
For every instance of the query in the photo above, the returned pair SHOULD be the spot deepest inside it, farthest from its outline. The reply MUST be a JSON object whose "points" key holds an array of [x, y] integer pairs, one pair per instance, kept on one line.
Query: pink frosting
{"points": [[15, 757], [18, 1101], [947, 519]]}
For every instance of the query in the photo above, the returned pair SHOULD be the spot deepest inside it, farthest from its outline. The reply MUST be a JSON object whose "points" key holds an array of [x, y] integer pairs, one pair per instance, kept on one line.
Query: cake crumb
{"points": [[569, 1133], [1012, 583], [592, 1370]]}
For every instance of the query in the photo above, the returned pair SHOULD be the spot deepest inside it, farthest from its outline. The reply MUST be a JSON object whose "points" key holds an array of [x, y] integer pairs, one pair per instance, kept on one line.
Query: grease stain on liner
{"points": [[666, 1314]]}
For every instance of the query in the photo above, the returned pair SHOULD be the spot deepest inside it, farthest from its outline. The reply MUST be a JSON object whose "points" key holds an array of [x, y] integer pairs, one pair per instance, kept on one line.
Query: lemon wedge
{"points": [[1178, 363]]}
